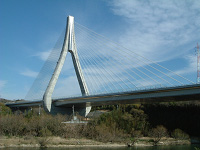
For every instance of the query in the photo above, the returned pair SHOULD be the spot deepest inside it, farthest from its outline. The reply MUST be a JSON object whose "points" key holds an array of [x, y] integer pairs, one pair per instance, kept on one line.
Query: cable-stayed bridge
{"points": [[107, 73]]}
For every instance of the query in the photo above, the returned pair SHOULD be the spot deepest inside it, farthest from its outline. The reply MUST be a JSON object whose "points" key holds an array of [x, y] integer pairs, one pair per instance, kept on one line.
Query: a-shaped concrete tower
{"points": [[69, 45]]}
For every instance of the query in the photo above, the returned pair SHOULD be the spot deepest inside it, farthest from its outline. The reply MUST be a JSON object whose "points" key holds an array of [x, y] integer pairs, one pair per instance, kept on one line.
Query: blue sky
{"points": [[163, 31]]}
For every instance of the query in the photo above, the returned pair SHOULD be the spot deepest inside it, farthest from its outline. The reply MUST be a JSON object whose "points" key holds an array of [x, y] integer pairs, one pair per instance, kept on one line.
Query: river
{"points": [[179, 147]]}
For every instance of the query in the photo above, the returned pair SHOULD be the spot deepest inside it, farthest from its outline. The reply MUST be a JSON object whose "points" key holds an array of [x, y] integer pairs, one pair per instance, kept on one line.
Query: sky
{"points": [[164, 31]]}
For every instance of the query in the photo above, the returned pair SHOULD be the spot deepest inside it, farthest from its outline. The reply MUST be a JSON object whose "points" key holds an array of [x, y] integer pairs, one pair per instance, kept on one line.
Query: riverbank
{"points": [[64, 142], [126, 125]]}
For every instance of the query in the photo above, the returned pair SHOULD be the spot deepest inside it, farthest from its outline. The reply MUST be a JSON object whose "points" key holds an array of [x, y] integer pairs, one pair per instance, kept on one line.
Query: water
{"points": [[180, 147]]}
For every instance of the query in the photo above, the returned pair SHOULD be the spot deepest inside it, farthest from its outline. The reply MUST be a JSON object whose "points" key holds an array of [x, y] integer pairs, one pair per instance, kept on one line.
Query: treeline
{"points": [[172, 115], [31, 125], [132, 121], [122, 123], [175, 115]]}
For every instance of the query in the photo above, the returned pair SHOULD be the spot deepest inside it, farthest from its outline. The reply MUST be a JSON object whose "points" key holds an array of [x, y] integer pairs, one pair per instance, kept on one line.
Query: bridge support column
{"points": [[68, 45]]}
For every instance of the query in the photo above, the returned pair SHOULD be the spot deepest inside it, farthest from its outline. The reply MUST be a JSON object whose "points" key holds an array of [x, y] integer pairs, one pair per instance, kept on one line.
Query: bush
{"points": [[179, 134], [19, 125], [104, 133], [158, 133], [74, 130], [127, 119], [12, 125], [4, 110], [44, 132]]}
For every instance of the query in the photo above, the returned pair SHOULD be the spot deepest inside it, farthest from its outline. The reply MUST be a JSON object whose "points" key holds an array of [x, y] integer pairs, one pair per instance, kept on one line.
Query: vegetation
{"points": [[175, 115], [20, 125], [4, 110], [158, 133], [179, 134], [123, 123]]}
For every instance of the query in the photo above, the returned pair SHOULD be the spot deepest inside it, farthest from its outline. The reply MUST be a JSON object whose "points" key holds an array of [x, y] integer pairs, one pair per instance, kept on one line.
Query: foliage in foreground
{"points": [[158, 133], [175, 115], [122, 123], [21, 125], [4, 110], [179, 134], [129, 121], [116, 125]]}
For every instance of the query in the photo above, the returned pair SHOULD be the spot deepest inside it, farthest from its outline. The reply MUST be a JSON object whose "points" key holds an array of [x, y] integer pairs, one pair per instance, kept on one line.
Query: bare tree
{"points": [[158, 133]]}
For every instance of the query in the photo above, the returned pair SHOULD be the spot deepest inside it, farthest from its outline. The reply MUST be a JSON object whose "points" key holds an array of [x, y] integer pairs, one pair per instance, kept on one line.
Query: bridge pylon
{"points": [[69, 45]]}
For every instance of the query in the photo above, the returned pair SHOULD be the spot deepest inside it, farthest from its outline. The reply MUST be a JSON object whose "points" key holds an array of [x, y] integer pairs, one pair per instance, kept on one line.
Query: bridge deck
{"points": [[179, 93]]}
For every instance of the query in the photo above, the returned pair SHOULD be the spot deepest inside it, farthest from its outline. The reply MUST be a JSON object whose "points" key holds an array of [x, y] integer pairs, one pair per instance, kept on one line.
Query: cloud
{"points": [[191, 67], [43, 55], [51, 54], [155, 29], [29, 73]]}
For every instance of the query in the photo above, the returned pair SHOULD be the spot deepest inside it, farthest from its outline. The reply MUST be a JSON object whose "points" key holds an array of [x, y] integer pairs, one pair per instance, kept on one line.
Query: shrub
{"points": [[44, 132], [21, 125], [4, 110], [179, 134], [74, 130], [12, 125], [158, 133]]}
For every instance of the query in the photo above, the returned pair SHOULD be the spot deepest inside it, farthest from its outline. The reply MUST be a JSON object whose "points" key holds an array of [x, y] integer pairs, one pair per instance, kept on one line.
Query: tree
{"points": [[179, 134], [158, 133], [4, 110]]}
